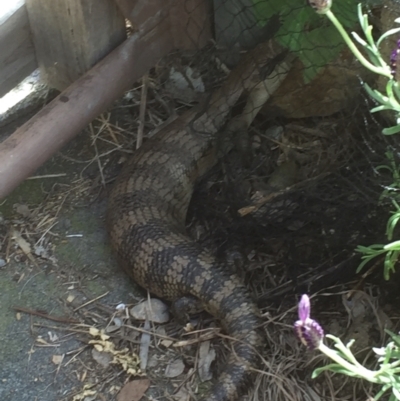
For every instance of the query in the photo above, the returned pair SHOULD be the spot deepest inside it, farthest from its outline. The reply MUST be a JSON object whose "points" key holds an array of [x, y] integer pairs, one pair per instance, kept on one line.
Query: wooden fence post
{"points": [[70, 36]]}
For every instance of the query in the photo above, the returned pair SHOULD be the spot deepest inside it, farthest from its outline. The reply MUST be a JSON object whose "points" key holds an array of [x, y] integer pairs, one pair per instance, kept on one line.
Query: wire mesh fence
{"points": [[299, 179], [312, 148]]}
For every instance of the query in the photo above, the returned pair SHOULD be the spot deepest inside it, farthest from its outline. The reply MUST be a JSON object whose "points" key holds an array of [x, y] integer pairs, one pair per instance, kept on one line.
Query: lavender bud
{"points": [[309, 332], [304, 308]]}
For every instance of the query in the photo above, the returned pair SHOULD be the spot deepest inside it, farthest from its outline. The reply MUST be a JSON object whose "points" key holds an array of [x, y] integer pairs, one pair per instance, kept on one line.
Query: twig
{"points": [[267, 198], [78, 352], [91, 301], [150, 332], [44, 315], [142, 110], [97, 157], [200, 339], [38, 177], [72, 330]]}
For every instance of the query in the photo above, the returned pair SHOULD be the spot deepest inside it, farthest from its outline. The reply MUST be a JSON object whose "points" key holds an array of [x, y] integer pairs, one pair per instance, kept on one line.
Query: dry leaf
{"points": [[70, 298], [144, 346], [41, 340], [134, 390], [52, 336], [206, 357], [41, 251], [23, 210], [166, 343], [185, 85], [102, 358], [153, 361], [57, 359], [86, 392], [175, 368], [112, 328], [124, 357], [22, 243]]}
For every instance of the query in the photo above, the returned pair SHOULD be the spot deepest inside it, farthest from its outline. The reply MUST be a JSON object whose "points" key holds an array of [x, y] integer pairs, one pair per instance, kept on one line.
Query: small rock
{"points": [[40, 250], [23, 210], [120, 307], [154, 310]]}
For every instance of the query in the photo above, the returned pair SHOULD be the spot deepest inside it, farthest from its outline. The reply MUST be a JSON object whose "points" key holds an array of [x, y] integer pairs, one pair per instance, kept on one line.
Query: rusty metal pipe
{"points": [[70, 112]]}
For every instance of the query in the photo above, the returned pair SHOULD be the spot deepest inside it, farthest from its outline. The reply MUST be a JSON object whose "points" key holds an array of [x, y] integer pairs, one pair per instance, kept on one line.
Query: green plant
{"points": [[390, 251], [391, 191], [306, 33], [307, 329], [387, 101], [387, 375], [375, 63]]}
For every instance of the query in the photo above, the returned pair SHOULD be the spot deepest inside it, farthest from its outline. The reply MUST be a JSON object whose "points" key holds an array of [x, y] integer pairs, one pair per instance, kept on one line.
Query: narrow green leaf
{"points": [[392, 246], [391, 130], [380, 108], [386, 34]]}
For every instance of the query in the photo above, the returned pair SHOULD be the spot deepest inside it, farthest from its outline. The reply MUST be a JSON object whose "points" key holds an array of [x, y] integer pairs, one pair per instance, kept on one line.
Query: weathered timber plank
{"points": [[17, 55], [190, 20], [191, 23], [59, 121], [70, 36]]}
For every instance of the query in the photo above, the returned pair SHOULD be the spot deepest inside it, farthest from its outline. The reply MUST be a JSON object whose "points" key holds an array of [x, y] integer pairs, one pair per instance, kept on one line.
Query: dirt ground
{"points": [[59, 282]]}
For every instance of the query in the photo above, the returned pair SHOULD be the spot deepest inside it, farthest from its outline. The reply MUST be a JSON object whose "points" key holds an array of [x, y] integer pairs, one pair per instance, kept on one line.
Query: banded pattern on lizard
{"points": [[147, 211]]}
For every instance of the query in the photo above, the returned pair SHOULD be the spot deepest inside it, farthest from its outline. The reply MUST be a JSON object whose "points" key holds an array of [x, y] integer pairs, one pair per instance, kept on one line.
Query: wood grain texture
{"points": [[70, 36], [17, 55], [190, 20], [54, 125]]}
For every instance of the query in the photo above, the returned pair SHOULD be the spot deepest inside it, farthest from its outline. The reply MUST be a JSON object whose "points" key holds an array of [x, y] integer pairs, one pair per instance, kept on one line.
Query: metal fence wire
{"points": [[304, 174], [305, 161]]}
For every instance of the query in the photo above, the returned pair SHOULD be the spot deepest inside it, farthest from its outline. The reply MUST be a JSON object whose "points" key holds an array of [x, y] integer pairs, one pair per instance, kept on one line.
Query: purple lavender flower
{"points": [[309, 332], [393, 60]]}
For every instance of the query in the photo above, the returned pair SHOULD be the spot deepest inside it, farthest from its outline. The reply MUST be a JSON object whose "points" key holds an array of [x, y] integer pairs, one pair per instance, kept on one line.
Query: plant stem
{"points": [[359, 371], [354, 49]]}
